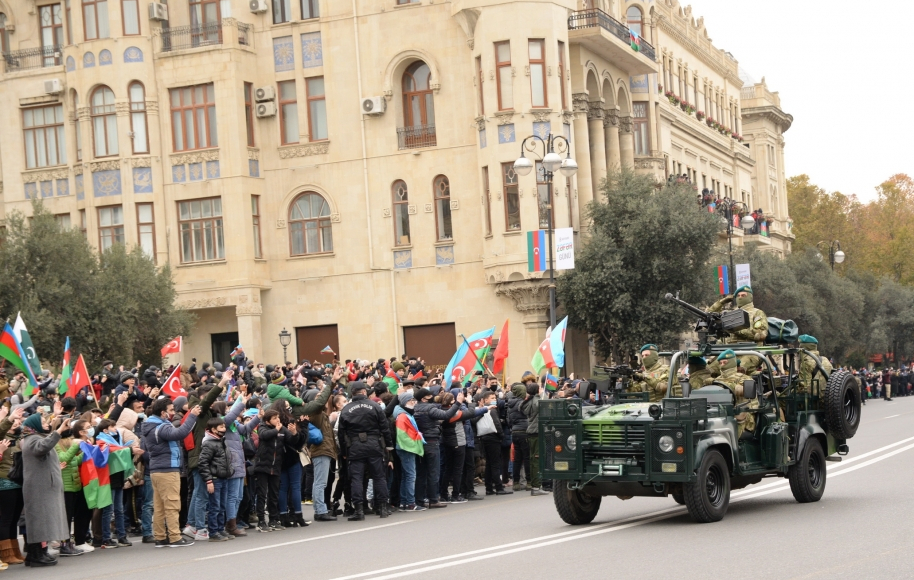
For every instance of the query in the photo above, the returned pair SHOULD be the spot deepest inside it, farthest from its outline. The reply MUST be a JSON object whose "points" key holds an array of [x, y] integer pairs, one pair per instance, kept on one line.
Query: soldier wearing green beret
{"points": [[758, 325], [810, 344], [699, 375], [733, 379], [654, 374]]}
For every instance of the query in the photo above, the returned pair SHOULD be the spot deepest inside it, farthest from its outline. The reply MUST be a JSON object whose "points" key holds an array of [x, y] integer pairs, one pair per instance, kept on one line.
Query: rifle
{"points": [[714, 324]]}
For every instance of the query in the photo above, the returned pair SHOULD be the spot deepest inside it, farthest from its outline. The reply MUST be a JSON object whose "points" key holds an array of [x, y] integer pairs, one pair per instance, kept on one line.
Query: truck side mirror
{"points": [[749, 389]]}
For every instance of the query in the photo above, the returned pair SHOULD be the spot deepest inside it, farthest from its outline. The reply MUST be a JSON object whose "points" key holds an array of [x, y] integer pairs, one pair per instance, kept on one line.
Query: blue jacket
{"points": [[163, 443]]}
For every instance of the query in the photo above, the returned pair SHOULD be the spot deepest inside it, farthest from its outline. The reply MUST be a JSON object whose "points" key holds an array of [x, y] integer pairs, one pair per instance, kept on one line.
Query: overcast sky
{"points": [[838, 66]]}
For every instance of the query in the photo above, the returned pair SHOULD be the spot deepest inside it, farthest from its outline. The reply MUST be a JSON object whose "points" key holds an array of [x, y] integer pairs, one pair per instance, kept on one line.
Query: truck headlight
{"points": [[571, 442], [665, 444]]}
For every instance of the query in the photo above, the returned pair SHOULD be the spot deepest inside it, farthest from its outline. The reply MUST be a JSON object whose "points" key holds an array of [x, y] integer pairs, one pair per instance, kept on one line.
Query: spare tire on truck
{"points": [[842, 405]]}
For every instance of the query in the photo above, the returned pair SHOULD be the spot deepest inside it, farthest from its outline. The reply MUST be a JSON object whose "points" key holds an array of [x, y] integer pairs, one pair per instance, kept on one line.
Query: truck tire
{"points": [[678, 497], [574, 507], [842, 405], [807, 475], [709, 497]]}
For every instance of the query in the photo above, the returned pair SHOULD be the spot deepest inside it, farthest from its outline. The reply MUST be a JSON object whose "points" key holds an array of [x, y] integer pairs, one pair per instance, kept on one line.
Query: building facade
{"points": [[343, 169]]}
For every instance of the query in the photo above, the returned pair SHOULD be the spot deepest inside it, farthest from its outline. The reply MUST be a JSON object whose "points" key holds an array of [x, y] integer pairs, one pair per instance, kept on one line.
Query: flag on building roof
{"points": [[95, 476], [63, 387], [536, 251], [173, 346]]}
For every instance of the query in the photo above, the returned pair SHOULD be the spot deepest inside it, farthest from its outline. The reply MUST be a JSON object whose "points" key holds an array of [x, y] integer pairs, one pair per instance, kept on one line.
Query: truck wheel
{"points": [[807, 476], [709, 497], [574, 507], [678, 497], [842, 405]]}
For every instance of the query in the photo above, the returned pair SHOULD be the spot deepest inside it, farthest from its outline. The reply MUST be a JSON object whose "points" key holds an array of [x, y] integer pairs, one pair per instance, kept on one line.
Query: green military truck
{"points": [[687, 446]]}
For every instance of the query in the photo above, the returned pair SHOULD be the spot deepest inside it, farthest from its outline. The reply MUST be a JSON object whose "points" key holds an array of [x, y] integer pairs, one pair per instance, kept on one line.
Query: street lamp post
{"points": [[746, 222], [554, 147], [835, 255], [285, 338]]}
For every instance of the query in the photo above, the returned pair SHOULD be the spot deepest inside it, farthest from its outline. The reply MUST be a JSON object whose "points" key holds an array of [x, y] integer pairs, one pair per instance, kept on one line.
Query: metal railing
{"points": [[181, 37], [416, 136], [31, 58], [596, 17]]}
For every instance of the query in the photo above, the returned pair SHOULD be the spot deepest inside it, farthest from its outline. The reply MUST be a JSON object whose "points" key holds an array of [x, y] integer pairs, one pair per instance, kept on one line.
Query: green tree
{"points": [[113, 305], [643, 242], [819, 216]]}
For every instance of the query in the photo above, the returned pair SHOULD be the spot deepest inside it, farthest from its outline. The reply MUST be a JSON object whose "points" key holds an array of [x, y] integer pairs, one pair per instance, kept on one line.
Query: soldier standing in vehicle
{"points": [[808, 365], [699, 375], [758, 325], [733, 380], [654, 374]]}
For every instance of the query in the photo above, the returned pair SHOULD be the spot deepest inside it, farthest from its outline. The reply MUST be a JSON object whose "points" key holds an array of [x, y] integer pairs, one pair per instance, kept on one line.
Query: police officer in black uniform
{"points": [[366, 444]]}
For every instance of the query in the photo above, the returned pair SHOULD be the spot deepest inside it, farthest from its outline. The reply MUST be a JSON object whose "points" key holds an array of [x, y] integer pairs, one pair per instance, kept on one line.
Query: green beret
{"points": [[648, 347], [697, 360], [743, 289], [805, 338], [727, 354]]}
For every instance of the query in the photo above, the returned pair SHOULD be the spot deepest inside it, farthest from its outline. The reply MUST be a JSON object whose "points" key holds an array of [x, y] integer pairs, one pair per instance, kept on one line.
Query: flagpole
{"points": [[482, 364]]}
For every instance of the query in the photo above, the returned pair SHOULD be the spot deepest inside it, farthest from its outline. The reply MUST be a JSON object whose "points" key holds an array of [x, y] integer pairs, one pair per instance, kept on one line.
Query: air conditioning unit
{"points": [[158, 11], [267, 109], [258, 6], [374, 105], [267, 93], [53, 87]]}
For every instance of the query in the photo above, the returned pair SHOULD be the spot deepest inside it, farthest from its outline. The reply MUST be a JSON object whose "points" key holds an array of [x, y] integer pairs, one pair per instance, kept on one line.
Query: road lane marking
{"points": [[302, 541], [891, 416]]}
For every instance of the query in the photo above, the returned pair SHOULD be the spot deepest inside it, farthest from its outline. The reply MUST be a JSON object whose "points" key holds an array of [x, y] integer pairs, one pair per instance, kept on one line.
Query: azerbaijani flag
{"points": [[408, 436], [723, 280], [635, 40], [120, 458], [551, 352], [552, 383], [236, 350], [12, 351], [63, 388], [468, 356], [536, 251], [392, 380], [763, 229], [95, 477]]}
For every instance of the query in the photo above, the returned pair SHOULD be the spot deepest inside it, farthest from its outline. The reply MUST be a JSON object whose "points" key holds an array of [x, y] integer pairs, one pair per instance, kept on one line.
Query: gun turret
{"points": [[713, 324]]}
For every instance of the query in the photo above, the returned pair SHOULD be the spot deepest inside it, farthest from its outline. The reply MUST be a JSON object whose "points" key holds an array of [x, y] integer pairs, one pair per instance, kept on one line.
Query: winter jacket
{"points": [[319, 418], [68, 452], [162, 442], [270, 449], [215, 461], [363, 429], [499, 434], [276, 392], [294, 444], [531, 409], [200, 428], [235, 434], [517, 420], [429, 417], [453, 433]]}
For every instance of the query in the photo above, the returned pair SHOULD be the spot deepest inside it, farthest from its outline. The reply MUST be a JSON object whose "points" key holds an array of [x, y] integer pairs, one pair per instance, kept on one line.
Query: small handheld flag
{"points": [[174, 346], [63, 387], [552, 383], [327, 350], [392, 380]]}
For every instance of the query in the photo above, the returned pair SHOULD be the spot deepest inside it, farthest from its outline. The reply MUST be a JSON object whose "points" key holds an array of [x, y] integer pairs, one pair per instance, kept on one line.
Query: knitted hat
{"points": [[397, 366], [527, 376], [277, 378], [807, 339], [180, 403], [405, 398], [125, 376]]}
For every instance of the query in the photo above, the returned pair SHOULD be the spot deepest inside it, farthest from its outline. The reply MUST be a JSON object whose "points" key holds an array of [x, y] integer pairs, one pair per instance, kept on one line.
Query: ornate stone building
{"points": [[343, 169]]}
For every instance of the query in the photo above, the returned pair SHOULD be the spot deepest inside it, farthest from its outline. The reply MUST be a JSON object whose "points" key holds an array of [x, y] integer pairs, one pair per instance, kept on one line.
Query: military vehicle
{"points": [[687, 446]]}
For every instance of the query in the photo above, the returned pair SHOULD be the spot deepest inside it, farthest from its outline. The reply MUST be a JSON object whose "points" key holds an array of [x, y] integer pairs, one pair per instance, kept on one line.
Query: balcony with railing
{"points": [[416, 136], [607, 36], [212, 34], [32, 58]]}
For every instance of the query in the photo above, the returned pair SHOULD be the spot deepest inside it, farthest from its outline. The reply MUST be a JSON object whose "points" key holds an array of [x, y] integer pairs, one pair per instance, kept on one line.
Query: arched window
{"points": [[635, 19], [443, 208], [104, 122], [400, 213], [418, 103], [4, 39], [138, 118], [309, 225]]}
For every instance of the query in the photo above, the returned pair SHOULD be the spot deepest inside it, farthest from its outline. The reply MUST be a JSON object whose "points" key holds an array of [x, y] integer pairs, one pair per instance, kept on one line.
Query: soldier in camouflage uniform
{"points": [[808, 366], [733, 379], [654, 374], [699, 375], [758, 325]]}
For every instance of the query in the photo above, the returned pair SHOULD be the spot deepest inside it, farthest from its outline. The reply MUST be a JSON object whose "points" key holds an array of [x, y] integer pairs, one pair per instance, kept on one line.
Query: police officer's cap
{"points": [[807, 339]]}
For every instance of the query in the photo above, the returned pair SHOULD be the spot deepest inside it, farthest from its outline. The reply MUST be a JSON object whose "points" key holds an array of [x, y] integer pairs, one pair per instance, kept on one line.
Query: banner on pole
{"points": [[536, 251], [723, 280], [742, 276], [564, 249]]}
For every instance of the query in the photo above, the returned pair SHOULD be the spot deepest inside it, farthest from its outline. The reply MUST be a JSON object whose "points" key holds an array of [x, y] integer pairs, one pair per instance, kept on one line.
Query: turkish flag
{"points": [[172, 347], [501, 351], [79, 379], [172, 386]]}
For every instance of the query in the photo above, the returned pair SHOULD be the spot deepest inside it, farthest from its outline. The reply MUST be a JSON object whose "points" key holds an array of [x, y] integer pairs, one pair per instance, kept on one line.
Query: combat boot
{"points": [[358, 515]]}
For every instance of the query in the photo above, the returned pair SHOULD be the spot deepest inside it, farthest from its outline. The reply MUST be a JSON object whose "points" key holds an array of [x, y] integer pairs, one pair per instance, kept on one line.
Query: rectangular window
{"points": [[562, 74], [95, 19], [641, 128], [44, 137], [512, 197], [443, 223], [63, 220], [310, 9], [110, 226], [146, 229], [83, 227], [140, 136], [317, 109], [69, 22], [288, 113], [255, 214], [487, 200], [51, 23], [249, 112], [201, 230], [505, 75], [282, 11], [480, 76], [193, 117], [536, 52], [543, 198], [130, 15]]}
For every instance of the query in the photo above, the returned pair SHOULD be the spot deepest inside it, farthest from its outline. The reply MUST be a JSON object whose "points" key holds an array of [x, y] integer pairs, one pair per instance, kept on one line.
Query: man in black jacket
{"points": [[428, 467], [215, 465], [365, 441], [491, 442]]}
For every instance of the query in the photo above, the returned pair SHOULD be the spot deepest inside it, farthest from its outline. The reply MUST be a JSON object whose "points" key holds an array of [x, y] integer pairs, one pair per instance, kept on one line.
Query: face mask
{"points": [[141, 416], [91, 431], [490, 404], [743, 300], [96, 421], [649, 360]]}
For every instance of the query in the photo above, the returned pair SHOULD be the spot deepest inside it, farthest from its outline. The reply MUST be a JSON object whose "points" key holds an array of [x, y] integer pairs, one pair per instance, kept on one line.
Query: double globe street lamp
{"points": [[556, 157], [835, 255]]}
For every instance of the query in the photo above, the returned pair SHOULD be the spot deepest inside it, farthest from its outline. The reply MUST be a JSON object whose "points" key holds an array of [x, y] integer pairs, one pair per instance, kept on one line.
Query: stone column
{"points": [[581, 152], [531, 299], [626, 142], [611, 127], [597, 144], [248, 312]]}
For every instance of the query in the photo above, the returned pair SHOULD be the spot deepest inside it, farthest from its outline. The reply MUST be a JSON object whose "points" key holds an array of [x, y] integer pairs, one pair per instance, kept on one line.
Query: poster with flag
{"points": [[11, 350], [63, 387], [635, 40], [723, 280], [173, 346], [94, 475], [465, 359], [536, 251], [392, 380], [501, 351], [172, 385], [551, 352], [25, 342], [79, 378]]}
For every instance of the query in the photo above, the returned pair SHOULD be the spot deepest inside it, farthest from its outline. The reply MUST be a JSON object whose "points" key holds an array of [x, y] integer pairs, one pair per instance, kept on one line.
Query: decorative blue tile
{"points": [[106, 183], [283, 54], [566, 130], [195, 171], [482, 139], [142, 180], [133, 54], [46, 188], [63, 187], [80, 188], [639, 83], [178, 174], [542, 130], [31, 190], [506, 133], [444, 255], [312, 54], [403, 259], [212, 169], [71, 64], [253, 168], [104, 58], [88, 60]]}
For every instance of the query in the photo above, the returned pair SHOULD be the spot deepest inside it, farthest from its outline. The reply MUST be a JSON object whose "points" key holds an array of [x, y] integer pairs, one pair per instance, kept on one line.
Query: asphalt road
{"points": [[860, 529]]}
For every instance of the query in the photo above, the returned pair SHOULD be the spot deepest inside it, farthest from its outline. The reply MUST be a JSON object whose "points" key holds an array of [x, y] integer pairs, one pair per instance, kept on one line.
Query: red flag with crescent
{"points": [[172, 386], [174, 346]]}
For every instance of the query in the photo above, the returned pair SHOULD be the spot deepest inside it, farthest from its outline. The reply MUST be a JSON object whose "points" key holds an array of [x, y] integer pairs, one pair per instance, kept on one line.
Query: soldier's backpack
{"points": [[781, 331]]}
